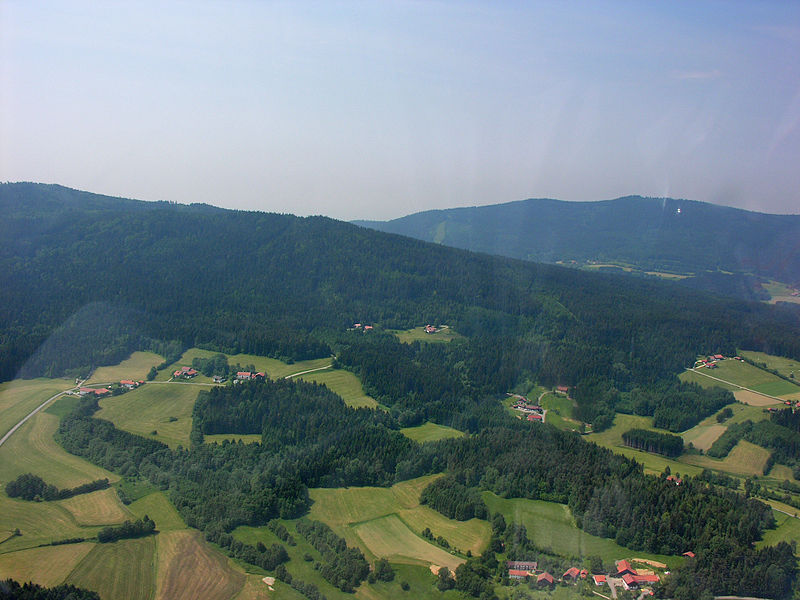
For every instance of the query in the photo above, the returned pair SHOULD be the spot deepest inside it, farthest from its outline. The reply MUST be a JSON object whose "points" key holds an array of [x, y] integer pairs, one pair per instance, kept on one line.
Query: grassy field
{"points": [[390, 537], [157, 507], [745, 459], [275, 369], [189, 569], [788, 530], [560, 411], [551, 526], [346, 510], [151, 408], [344, 383], [26, 565], [697, 377], [612, 438], [745, 375], [19, 397], [38, 522], [32, 449], [431, 432], [784, 366], [135, 367], [702, 436], [218, 438], [418, 335], [102, 507], [123, 570]]}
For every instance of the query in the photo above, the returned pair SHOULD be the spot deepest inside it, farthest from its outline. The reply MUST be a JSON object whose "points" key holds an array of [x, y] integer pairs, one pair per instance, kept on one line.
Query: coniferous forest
{"points": [[103, 277]]}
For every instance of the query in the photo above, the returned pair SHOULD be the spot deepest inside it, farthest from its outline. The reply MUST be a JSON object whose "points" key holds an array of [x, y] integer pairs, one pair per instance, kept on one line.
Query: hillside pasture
{"points": [[390, 537], [417, 334], [19, 397], [784, 366], [38, 522], [739, 373], [276, 369], [157, 507], [551, 527], [152, 407], [188, 569], [186, 361], [26, 565], [135, 367], [344, 383], [102, 507], [32, 449], [745, 459], [703, 436], [123, 570], [431, 432], [788, 530]]}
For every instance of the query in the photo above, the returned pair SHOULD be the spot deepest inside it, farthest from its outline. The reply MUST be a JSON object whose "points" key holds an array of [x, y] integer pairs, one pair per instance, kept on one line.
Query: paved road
{"points": [[33, 412]]}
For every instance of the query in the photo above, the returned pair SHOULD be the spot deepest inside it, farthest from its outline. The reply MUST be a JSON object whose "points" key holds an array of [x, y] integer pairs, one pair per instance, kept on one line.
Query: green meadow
{"points": [[417, 334], [431, 432], [344, 383]]}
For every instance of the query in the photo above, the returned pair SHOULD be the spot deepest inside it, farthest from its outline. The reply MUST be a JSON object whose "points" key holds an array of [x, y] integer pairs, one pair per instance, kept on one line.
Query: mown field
{"points": [[742, 374], [551, 527], [788, 530], [19, 397], [344, 383], [26, 565], [102, 507], [418, 335], [124, 570], [162, 407], [135, 367], [784, 366], [745, 459], [431, 432]]}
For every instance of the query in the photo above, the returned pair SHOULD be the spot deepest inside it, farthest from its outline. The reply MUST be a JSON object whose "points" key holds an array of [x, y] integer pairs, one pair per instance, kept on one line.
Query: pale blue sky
{"points": [[379, 109]]}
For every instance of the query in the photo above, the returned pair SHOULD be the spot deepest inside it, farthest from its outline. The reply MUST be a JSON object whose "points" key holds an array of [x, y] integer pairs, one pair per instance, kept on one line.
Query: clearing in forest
{"points": [[417, 334], [344, 383], [431, 432]]}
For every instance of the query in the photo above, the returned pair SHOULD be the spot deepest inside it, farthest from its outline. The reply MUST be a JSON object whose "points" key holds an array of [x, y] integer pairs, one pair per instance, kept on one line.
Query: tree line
{"points": [[653, 441], [32, 487]]}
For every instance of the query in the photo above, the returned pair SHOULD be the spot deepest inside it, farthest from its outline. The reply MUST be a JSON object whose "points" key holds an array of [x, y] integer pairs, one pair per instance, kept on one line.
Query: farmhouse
{"points": [[517, 574], [599, 579], [96, 391], [535, 417], [185, 372], [545, 579], [131, 385], [218, 379], [562, 389], [430, 329], [571, 573], [623, 567], [244, 375], [688, 554], [524, 565]]}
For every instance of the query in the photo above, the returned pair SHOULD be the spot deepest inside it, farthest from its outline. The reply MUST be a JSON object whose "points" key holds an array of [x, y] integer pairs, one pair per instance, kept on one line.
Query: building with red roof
{"points": [[599, 579], [545, 579], [571, 573], [623, 566], [517, 574], [688, 554]]}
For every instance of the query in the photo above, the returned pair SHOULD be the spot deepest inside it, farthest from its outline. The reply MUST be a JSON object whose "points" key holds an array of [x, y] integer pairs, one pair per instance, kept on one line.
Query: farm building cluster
{"points": [[533, 411], [248, 376], [625, 575], [711, 361], [361, 327], [115, 388], [185, 373]]}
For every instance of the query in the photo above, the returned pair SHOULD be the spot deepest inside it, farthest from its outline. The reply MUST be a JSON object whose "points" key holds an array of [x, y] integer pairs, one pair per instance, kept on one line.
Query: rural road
{"points": [[741, 387], [33, 412], [309, 371]]}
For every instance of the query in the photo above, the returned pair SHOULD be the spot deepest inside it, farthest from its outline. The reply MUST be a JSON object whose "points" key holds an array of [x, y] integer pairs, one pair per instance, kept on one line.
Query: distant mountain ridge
{"points": [[658, 234]]}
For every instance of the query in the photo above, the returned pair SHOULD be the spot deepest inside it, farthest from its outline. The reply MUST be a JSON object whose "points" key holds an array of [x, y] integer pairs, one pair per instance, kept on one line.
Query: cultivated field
{"points": [[418, 335], [391, 538], [344, 383], [431, 432], [754, 398], [102, 507], [346, 510], [123, 570], [188, 569], [19, 397], [744, 460], [135, 367], [26, 565], [152, 407], [32, 449], [551, 526], [703, 436]]}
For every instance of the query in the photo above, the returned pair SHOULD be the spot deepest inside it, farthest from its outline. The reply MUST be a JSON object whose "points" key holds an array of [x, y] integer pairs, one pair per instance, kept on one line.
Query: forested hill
{"points": [[85, 279], [652, 233]]}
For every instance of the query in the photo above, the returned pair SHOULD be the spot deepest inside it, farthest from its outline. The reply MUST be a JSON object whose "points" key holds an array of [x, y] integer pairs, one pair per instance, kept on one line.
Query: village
{"points": [[624, 577]]}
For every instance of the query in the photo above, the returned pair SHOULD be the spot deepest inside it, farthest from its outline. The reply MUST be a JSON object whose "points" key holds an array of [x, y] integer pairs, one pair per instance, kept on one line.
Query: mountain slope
{"points": [[108, 275], [680, 236]]}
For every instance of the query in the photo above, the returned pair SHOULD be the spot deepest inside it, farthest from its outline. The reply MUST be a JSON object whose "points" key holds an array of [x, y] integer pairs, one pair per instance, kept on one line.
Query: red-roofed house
{"points": [[652, 578], [623, 566], [534, 417], [562, 389], [572, 573], [128, 383], [674, 479], [545, 579], [525, 565], [629, 581], [718, 357], [367, 327], [517, 574], [584, 573], [599, 579], [243, 375], [688, 554]]}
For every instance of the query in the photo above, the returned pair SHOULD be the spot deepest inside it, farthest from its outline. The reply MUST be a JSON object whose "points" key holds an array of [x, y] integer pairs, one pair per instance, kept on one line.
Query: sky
{"points": [[375, 110]]}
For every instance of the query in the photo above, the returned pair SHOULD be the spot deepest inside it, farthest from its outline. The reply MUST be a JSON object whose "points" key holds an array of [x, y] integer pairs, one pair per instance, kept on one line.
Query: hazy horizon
{"points": [[376, 111]]}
